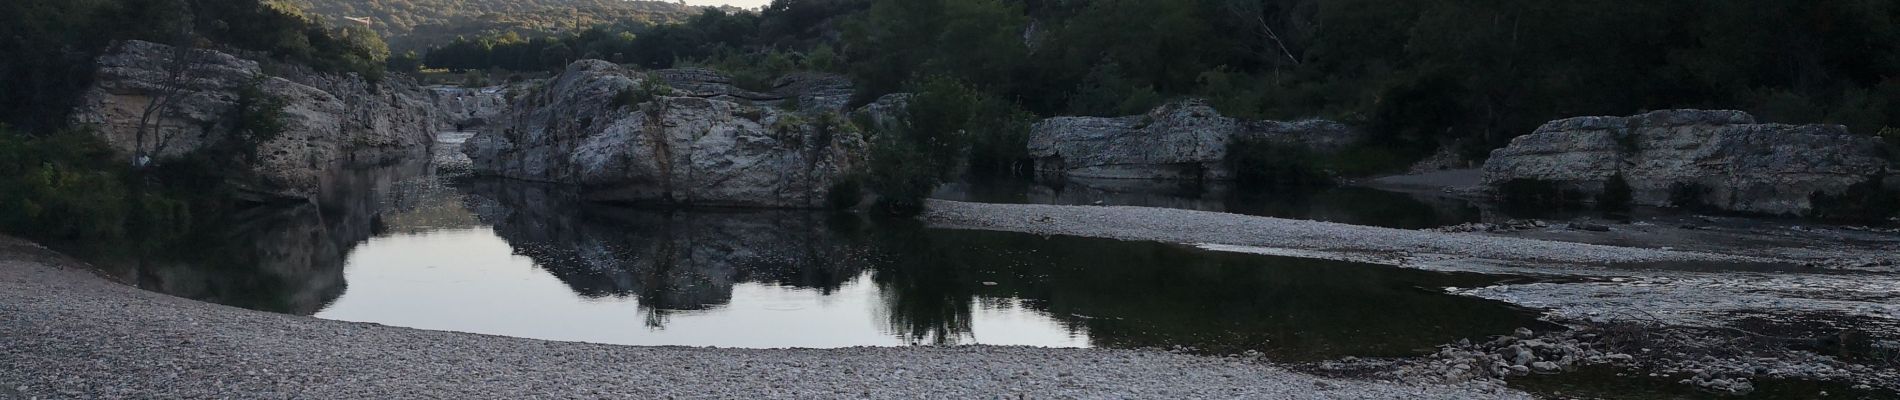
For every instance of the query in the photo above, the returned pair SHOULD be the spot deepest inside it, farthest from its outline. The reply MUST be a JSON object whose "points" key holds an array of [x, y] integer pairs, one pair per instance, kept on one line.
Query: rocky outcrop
{"points": [[803, 90], [466, 109], [1183, 140], [329, 120], [700, 145], [1723, 159]]}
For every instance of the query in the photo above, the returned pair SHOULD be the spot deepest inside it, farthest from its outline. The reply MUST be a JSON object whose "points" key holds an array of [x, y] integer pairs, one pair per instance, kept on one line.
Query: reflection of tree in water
{"points": [[926, 297], [1133, 294], [931, 283], [285, 258], [669, 261]]}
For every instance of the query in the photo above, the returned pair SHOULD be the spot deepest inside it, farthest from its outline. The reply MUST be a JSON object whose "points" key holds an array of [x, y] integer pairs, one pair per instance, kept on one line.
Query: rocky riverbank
{"points": [[71, 334]]}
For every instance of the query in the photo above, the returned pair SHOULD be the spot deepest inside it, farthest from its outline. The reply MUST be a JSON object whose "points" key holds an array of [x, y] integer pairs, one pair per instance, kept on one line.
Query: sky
{"points": [[734, 3]]}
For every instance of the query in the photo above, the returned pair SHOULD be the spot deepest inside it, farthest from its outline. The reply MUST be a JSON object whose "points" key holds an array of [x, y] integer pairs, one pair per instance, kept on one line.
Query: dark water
{"points": [[1342, 204], [399, 247]]}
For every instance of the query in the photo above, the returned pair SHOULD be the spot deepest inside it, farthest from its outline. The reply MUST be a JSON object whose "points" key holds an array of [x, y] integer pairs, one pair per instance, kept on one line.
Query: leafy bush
{"points": [[1690, 195], [257, 117], [69, 187], [847, 192], [1259, 163], [646, 91], [1538, 193], [1616, 194], [910, 158], [1868, 202]]}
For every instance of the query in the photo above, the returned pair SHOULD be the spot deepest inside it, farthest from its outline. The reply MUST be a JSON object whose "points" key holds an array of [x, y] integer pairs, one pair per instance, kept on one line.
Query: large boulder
{"points": [[674, 147], [1183, 140], [330, 120], [1724, 158], [803, 90]]}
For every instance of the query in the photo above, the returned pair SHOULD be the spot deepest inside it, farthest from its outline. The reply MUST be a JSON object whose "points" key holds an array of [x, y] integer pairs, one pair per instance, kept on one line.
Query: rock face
{"points": [[1724, 157], [330, 120], [467, 109], [674, 147], [805, 90], [1184, 140]]}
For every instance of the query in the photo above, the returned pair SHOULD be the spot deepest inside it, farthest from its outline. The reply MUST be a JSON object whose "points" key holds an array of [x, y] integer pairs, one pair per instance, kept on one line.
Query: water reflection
{"points": [[1343, 204], [669, 261], [528, 260], [278, 258]]}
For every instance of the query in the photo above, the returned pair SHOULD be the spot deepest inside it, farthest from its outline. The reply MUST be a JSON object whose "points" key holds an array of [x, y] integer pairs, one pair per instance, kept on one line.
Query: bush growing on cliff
{"points": [[1690, 195], [1533, 194], [257, 117], [1260, 163], [1868, 202], [1616, 194]]}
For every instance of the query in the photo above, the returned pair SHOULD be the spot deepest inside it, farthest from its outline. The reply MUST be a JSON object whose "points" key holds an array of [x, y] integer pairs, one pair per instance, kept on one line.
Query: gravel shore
{"points": [[1232, 232], [67, 333]]}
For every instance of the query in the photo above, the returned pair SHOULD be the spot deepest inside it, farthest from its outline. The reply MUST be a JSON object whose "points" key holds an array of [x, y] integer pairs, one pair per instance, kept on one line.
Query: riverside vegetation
{"points": [[819, 103]]}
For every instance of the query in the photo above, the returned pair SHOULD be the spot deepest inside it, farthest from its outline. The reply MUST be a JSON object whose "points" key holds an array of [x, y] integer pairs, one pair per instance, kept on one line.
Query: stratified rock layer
{"points": [[702, 145], [1723, 157], [329, 120], [1185, 140]]}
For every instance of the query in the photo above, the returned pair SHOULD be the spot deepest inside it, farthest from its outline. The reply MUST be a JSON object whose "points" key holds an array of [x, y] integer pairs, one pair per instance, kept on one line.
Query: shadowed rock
{"points": [[1727, 159]]}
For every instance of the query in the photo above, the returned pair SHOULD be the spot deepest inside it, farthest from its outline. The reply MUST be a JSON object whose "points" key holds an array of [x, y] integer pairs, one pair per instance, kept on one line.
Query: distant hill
{"points": [[413, 24]]}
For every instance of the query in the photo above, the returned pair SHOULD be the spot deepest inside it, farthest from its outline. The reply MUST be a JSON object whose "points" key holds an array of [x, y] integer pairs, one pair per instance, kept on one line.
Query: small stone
{"points": [[1544, 366], [1524, 333]]}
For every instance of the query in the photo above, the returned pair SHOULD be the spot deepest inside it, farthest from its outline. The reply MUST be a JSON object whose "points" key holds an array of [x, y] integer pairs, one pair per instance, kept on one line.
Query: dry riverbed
{"points": [[1686, 289], [67, 333]]}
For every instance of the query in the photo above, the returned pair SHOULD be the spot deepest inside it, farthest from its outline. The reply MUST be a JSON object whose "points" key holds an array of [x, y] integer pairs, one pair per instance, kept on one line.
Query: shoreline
{"points": [[1732, 280], [1312, 239], [72, 333]]}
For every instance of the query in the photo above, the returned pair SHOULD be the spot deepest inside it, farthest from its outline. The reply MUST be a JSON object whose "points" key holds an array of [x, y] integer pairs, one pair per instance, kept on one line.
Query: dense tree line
{"points": [[414, 24], [1418, 75], [1473, 72]]}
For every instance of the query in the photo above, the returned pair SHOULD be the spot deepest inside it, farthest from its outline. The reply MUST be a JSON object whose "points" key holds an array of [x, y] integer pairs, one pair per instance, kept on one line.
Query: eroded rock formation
{"points": [[1183, 140], [1724, 159], [621, 138], [329, 120]]}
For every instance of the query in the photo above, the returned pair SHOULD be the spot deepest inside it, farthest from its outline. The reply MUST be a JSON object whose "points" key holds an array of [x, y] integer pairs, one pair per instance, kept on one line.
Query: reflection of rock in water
{"points": [[281, 258], [668, 260], [1139, 294]]}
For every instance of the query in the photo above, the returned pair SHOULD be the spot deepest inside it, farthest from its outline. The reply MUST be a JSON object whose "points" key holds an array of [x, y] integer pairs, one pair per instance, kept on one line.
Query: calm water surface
{"points": [[401, 247]]}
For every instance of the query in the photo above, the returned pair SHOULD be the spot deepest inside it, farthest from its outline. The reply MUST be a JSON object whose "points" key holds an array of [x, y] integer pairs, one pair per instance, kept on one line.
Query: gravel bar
{"points": [[1225, 231], [68, 333]]}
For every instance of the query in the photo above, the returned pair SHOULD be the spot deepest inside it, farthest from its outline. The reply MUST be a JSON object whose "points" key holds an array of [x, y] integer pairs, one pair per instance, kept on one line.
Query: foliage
{"points": [[648, 89], [1538, 194], [847, 192], [1867, 202], [1689, 195], [413, 24], [61, 187], [1260, 163], [1616, 194], [257, 117], [50, 45]]}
